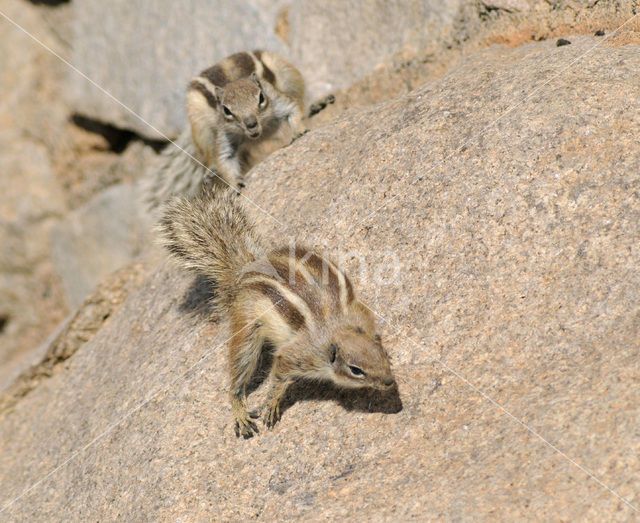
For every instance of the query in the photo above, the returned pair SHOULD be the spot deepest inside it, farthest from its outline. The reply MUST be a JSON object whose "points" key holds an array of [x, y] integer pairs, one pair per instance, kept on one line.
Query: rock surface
{"points": [[372, 31], [49, 166], [494, 215], [32, 198], [91, 242]]}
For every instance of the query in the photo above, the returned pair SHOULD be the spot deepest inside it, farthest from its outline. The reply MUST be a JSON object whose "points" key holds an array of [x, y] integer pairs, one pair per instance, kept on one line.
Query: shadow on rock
{"points": [[362, 400], [199, 298]]}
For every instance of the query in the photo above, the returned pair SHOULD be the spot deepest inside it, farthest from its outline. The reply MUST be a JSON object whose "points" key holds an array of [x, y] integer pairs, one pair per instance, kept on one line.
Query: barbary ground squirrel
{"points": [[237, 110], [289, 299]]}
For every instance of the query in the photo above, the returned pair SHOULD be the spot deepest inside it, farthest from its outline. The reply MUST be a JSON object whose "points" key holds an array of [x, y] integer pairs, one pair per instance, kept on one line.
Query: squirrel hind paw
{"points": [[245, 425], [271, 415]]}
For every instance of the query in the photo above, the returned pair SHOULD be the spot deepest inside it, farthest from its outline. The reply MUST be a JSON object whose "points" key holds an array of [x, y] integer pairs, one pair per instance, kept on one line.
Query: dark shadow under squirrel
{"points": [[199, 299], [361, 400]]}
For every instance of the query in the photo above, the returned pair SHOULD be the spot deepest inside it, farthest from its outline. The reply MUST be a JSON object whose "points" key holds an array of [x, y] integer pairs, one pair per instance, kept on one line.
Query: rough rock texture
{"points": [[74, 332], [337, 43], [510, 194], [100, 237], [508, 5], [31, 197], [51, 163], [476, 27]]}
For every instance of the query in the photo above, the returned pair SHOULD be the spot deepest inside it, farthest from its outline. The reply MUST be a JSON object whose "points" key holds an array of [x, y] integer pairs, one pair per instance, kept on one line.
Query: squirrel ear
{"points": [[255, 78], [219, 91], [333, 348]]}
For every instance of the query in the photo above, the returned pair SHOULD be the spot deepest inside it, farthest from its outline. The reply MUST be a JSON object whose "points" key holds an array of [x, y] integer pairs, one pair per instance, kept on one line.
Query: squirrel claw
{"points": [[246, 428], [272, 416], [298, 136]]}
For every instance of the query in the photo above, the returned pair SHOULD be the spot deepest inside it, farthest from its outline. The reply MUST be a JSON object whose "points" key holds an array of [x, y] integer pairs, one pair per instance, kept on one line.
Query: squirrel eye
{"points": [[261, 100], [226, 111], [334, 350], [356, 371]]}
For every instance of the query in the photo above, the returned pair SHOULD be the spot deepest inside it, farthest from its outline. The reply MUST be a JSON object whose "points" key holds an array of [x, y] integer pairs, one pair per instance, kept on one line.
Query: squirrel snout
{"points": [[253, 129], [251, 122]]}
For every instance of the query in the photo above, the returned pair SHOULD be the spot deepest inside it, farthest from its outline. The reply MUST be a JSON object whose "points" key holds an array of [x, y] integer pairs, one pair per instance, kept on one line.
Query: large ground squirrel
{"points": [[290, 299]]}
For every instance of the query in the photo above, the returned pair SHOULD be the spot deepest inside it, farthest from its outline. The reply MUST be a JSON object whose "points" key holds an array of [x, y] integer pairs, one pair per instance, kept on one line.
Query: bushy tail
{"points": [[173, 172], [179, 171], [211, 235]]}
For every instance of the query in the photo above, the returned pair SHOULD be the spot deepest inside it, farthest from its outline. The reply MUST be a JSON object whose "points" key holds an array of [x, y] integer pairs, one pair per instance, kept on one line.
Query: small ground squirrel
{"points": [[236, 111], [290, 299], [239, 102]]}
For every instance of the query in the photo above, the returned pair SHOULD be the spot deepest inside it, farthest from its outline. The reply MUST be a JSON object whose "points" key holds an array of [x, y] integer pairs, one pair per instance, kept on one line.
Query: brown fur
{"points": [[255, 94], [221, 149], [299, 303]]}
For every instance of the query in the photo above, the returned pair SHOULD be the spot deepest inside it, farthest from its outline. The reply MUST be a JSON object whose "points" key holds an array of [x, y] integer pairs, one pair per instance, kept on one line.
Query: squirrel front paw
{"points": [[298, 136], [245, 425]]}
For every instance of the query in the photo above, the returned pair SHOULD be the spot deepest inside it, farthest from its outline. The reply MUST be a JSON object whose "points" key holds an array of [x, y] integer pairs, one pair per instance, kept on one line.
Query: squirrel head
{"points": [[357, 357], [244, 104]]}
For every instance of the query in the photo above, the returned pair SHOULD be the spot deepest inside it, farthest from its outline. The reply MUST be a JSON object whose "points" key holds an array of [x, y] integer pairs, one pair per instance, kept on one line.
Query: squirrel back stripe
{"points": [[289, 312], [197, 85], [294, 279], [267, 73]]}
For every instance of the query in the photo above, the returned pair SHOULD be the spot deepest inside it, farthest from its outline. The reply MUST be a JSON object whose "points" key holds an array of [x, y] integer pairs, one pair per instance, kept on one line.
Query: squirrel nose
{"points": [[387, 382], [251, 122]]}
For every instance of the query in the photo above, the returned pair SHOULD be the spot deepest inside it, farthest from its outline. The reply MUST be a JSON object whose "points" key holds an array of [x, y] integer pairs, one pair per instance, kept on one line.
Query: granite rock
{"points": [[373, 32], [507, 5], [103, 235], [492, 218], [32, 198]]}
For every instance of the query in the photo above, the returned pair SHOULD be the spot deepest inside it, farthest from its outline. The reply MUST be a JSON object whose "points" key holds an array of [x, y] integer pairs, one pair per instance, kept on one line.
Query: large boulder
{"points": [[492, 219], [32, 197]]}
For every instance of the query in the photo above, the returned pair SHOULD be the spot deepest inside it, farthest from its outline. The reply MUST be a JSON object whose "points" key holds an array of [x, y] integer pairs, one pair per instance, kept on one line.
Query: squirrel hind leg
{"points": [[296, 122]]}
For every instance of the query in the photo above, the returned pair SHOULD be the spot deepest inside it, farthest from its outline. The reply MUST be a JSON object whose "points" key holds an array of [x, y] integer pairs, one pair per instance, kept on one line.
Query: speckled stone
{"points": [[508, 194]]}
